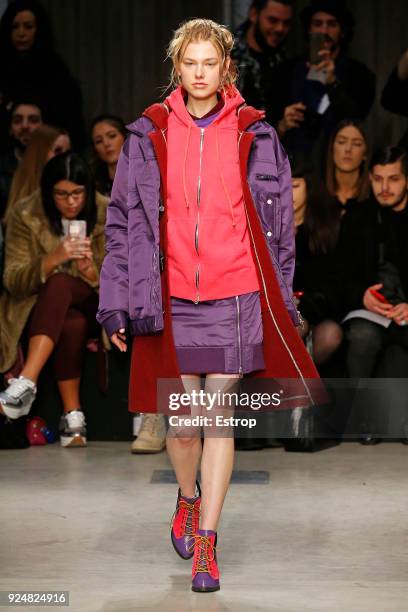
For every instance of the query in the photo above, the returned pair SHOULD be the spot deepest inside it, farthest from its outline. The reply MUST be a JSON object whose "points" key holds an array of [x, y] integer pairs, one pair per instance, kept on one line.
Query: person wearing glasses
{"points": [[51, 280]]}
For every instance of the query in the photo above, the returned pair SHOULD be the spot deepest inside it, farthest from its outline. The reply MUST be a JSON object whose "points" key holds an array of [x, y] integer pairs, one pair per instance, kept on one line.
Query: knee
{"points": [[363, 334], [183, 439], [330, 335]]}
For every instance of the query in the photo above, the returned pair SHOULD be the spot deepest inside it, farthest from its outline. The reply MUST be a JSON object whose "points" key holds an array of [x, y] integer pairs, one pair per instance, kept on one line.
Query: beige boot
{"points": [[152, 435]]}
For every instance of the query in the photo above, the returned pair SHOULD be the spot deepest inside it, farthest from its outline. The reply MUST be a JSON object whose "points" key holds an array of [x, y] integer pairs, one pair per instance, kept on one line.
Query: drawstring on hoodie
{"points": [[222, 176], [184, 167]]}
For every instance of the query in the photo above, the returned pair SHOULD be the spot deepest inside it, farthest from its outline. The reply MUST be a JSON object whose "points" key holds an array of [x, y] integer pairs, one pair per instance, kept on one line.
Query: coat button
{"points": [[269, 201], [269, 234]]}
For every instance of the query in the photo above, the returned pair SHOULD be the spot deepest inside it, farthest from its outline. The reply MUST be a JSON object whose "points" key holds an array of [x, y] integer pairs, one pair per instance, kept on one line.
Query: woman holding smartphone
{"points": [[51, 279], [202, 192]]}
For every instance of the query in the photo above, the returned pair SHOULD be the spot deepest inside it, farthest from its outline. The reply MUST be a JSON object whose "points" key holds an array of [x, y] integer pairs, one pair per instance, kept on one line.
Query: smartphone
{"points": [[379, 296], [316, 42], [77, 229]]}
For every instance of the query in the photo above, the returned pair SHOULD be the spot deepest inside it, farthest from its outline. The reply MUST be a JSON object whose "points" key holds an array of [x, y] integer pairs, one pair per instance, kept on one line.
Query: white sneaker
{"points": [[17, 399], [152, 435], [73, 429]]}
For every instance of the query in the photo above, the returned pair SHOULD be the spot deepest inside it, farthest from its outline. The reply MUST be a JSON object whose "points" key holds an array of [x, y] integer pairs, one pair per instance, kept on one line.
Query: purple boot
{"points": [[205, 574], [185, 524]]}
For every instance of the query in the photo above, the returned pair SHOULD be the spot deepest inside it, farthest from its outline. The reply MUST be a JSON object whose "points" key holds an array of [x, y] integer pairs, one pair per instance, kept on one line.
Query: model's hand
{"points": [[292, 117], [399, 314], [373, 304], [119, 340]]}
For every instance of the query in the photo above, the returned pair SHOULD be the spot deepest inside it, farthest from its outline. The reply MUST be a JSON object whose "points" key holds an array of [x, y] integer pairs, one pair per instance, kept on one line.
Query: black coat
{"points": [[359, 250], [351, 96], [395, 99]]}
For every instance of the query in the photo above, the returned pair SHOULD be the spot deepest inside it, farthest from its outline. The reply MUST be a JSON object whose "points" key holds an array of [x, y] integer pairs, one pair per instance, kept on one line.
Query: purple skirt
{"points": [[222, 336]]}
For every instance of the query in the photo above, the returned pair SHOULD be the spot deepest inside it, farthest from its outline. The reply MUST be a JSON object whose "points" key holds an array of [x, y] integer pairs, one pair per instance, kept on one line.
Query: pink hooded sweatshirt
{"points": [[209, 253]]}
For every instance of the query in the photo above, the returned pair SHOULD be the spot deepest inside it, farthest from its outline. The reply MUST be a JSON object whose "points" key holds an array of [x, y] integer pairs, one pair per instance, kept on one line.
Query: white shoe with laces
{"points": [[73, 429], [17, 399]]}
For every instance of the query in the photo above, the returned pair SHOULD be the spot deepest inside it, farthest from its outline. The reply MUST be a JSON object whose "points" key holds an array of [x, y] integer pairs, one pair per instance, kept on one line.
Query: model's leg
{"points": [[216, 468], [184, 449], [184, 446], [218, 453]]}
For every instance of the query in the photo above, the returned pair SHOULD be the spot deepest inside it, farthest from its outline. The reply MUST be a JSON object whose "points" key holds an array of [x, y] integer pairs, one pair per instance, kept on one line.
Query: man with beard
{"points": [[259, 49], [375, 266], [311, 100], [375, 289]]}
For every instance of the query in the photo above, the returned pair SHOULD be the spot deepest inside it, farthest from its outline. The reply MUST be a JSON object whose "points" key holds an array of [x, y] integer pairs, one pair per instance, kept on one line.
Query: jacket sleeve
{"points": [[287, 249], [22, 270], [113, 309]]}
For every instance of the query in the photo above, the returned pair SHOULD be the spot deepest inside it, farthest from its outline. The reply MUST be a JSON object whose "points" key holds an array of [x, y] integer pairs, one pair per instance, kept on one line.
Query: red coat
{"points": [[286, 360]]}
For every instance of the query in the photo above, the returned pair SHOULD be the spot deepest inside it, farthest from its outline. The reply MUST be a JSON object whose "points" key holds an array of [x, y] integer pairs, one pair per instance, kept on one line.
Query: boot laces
{"points": [[190, 516], [204, 553]]}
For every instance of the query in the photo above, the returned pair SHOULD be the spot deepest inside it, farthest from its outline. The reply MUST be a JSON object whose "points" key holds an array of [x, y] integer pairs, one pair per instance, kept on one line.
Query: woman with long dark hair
{"points": [[347, 174], [51, 280], [108, 134], [31, 69], [316, 279]]}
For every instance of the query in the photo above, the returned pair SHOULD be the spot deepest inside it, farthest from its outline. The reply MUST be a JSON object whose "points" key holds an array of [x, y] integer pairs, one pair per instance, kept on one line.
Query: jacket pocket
{"points": [[268, 205]]}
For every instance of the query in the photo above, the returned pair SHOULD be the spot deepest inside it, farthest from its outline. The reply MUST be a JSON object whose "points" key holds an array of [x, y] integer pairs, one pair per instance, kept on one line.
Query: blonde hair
{"points": [[27, 177], [197, 30]]}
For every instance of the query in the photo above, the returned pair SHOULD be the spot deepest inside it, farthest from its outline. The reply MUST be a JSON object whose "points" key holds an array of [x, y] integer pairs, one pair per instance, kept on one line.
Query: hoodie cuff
{"points": [[115, 322]]}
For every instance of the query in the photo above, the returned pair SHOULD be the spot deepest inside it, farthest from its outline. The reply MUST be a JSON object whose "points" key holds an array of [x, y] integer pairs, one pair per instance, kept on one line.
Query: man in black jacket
{"points": [[309, 103], [376, 270], [259, 48]]}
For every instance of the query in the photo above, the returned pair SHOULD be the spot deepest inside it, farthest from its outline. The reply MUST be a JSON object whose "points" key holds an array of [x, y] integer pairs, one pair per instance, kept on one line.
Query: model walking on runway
{"points": [[199, 266]]}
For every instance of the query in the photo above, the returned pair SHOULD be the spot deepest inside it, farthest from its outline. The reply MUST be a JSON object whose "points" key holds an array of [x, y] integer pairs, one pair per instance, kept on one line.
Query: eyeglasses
{"points": [[77, 194]]}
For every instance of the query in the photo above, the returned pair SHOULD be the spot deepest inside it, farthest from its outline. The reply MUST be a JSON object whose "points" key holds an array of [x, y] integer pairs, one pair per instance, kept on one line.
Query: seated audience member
{"points": [[45, 143], [317, 225], [377, 261], [25, 118], [395, 94], [108, 135], [311, 100], [30, 68], [259, 48], [51, 283], [376, 282]]}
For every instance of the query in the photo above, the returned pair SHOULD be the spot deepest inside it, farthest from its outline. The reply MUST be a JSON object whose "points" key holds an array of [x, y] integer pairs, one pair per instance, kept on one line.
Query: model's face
{"points": [[200, 69], [299, 190], [327, 24], [273, 22], [60, 145], [25, 120], [107, 141], [69, 198], [389, 184], [349, 149], [23, 31]]}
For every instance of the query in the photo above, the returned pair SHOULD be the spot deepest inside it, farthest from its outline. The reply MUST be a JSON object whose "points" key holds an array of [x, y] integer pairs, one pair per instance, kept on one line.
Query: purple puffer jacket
{"points": [[130, 287]]}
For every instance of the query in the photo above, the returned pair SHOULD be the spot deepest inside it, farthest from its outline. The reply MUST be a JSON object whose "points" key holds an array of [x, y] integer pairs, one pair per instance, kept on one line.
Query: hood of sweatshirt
{"points": [[227, 118], [232, 101]]}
